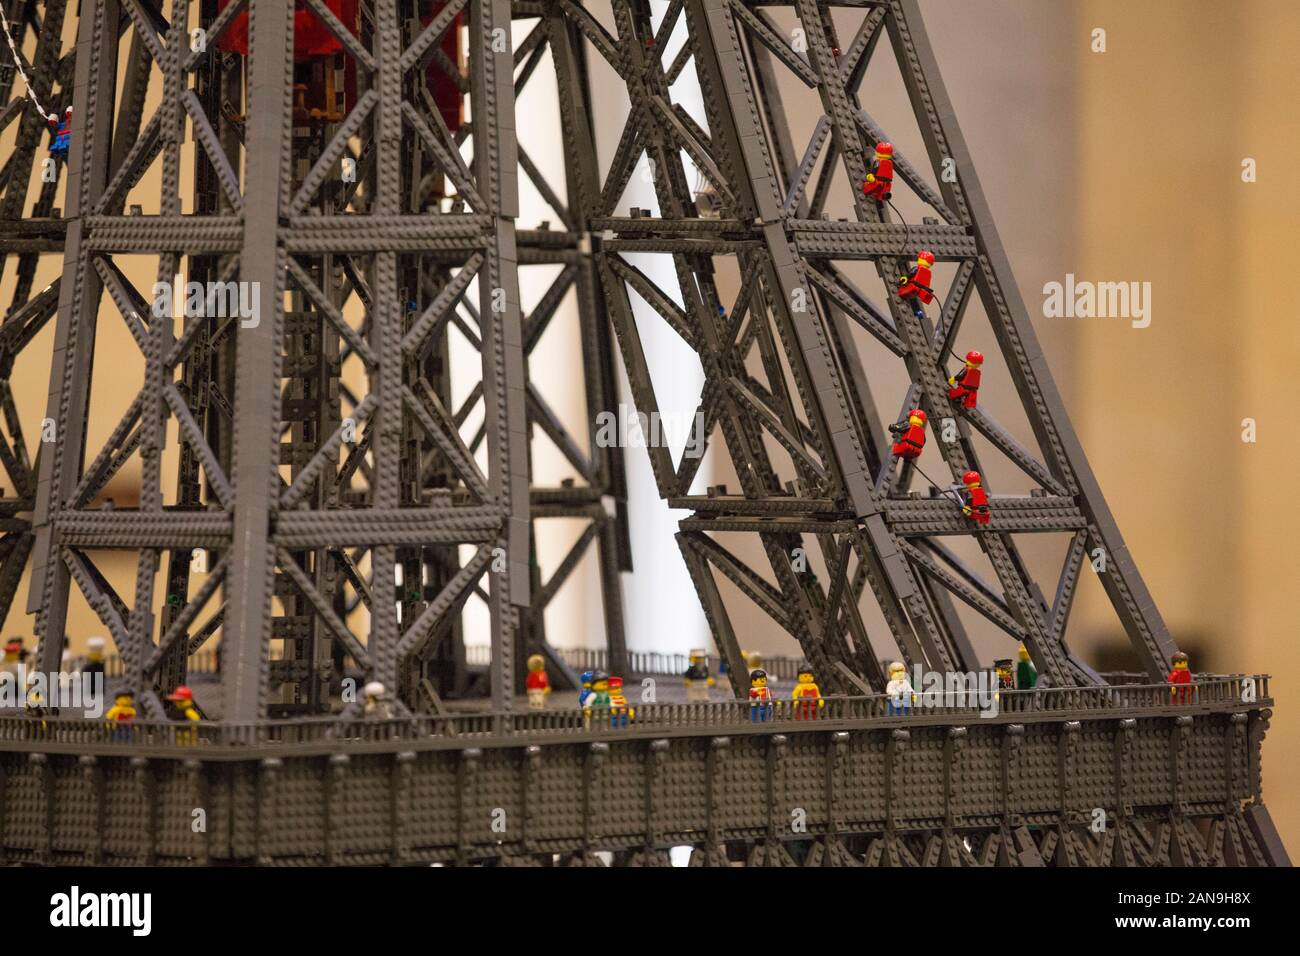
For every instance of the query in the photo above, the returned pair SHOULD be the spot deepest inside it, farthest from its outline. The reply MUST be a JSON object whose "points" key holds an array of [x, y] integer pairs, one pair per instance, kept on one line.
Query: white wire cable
{"points": [[18, 64]]}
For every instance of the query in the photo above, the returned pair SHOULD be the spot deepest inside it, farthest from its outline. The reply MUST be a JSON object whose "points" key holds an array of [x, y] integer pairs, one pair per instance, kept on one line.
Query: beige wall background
{"points": [[1115, 166]]}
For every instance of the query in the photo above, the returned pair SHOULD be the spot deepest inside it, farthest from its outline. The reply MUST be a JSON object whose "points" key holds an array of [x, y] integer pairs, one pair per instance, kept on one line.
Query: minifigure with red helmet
{"points": [[880, 181], [909, 436], [975, 500], [914, 287], [966, 383]]}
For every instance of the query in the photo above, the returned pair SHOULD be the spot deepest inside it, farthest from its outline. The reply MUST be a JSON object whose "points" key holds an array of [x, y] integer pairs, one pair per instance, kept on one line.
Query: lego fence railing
{"points": [[1223, 693]]}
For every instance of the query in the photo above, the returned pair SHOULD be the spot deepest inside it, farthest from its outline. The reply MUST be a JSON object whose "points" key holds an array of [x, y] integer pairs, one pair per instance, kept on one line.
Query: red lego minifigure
{"points": [[966, 383], [1182, 676], [909, 436], [916, 284], [976, 506], [880, 181]]}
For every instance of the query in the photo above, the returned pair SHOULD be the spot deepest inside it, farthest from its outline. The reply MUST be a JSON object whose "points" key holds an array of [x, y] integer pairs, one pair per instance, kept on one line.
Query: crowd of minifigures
{"points": [[602, 695], [601, 698]]}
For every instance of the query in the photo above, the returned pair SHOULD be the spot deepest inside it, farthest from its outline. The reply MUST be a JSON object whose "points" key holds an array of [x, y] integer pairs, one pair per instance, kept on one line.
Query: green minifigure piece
{"points": [[1026, 673]]}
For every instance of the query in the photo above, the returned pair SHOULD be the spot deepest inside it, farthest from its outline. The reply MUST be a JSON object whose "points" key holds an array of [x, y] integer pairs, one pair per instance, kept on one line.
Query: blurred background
{"points": [[1122, 165]]}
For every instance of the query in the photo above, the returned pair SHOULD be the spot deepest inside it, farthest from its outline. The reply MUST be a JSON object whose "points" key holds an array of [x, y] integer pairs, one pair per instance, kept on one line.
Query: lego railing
{"points": [[22, 731]]}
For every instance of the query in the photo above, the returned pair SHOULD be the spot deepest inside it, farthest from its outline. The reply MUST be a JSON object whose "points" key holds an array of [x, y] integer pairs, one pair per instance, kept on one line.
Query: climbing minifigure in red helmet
{"points": [[880, 181], [975, 499], [909, 436], [966, 383], [915, 286]]}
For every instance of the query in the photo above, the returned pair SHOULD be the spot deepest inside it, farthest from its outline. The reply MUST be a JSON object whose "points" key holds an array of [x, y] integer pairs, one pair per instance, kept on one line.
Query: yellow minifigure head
{"points": [[600, 682], [124, 698], [897, 671], [805, 675], [536, 663], [697, 656], [12, 650], [1023, 653], [95, 649], [758, 678], [1180, 661], [586, 678]]}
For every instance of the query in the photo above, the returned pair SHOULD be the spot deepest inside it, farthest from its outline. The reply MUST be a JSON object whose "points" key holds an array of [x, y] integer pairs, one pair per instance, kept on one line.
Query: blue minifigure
{"points": [[62, 133], [585, 694]]}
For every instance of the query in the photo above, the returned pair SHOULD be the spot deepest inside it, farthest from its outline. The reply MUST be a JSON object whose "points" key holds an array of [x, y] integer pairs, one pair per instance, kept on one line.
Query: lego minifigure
{"points": [[13, 657], [599, 697], [807, 696], [94, 663], [585, 694], [182, 701], [1181, 676], [121, 714], [914, 288], [376, 704], [899, 689], [36, 708], [966, 383], [697, 677], [909, 435], [880, 181], [619, 712], [760, 698], [1004, 673], [61, 134], [537, 683], [1026, 672], [975, 500]]}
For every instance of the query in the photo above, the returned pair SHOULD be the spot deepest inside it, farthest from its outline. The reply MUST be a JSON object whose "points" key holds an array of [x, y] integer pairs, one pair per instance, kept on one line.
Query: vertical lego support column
{"points": [[496, 161], [245, 654], [74, 337], [386, 337]]}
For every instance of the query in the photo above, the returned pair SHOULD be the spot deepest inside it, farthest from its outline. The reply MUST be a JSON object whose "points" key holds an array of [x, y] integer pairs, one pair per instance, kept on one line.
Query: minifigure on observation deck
{"points": [[966, 383], [880, 181], [899, 689], [697, 677], [94, 663], [36, 708], [1026, 672], [61, 134], [377, 705], [13, 657], [585, 694], [1181, 677], [1004, 674], [909, 436], [121, 714], [975, 500], [619, 712], [182, 708], [537, 683], [760, 698], [807, 696], [599, 697], [914, 288]]}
